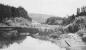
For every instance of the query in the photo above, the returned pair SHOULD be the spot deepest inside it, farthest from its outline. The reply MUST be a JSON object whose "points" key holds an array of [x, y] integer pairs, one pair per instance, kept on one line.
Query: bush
{"points": [[54, 21]]}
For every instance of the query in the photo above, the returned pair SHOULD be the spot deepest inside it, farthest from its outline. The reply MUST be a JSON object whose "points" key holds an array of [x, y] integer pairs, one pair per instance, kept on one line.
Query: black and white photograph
{"points": [[42, 24]]}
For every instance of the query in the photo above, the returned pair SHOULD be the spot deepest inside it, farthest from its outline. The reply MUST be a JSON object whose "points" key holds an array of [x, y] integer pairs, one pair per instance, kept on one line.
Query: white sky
{"points": [[52, 7]]}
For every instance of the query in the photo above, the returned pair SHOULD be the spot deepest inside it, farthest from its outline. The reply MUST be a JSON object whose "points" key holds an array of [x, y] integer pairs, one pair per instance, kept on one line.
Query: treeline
{"points": [[11, 12], [80, 12], [66, 21], [73, 23], [76, 22], [54, 21]]}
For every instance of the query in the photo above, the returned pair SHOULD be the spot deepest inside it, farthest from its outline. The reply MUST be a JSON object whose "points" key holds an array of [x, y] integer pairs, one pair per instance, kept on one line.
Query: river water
{"points": [[33, 44]]}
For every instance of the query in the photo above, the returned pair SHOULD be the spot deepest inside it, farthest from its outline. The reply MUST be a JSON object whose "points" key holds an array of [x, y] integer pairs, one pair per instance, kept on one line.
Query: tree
{"points": [[54, 20], [23, 13], [12, 12], [69, 20]]}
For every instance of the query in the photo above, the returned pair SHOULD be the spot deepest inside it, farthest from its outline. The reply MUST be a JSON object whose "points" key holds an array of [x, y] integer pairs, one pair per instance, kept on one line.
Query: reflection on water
{"points": [[33, 44]]}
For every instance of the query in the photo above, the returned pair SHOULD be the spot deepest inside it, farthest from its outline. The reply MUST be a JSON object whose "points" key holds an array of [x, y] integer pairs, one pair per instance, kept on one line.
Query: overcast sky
{"points": [[51, 7]]}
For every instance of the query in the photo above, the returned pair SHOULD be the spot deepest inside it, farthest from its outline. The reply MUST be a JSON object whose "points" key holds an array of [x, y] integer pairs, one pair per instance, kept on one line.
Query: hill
{"points": [[41, 18]]}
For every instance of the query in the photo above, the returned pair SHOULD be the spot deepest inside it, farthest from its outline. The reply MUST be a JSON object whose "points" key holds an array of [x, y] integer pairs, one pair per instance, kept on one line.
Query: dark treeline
{"points": [[11, 12]]}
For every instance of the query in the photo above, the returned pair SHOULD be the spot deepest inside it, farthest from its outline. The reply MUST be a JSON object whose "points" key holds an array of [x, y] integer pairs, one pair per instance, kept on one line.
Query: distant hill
{"points": [[39, 17]]}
